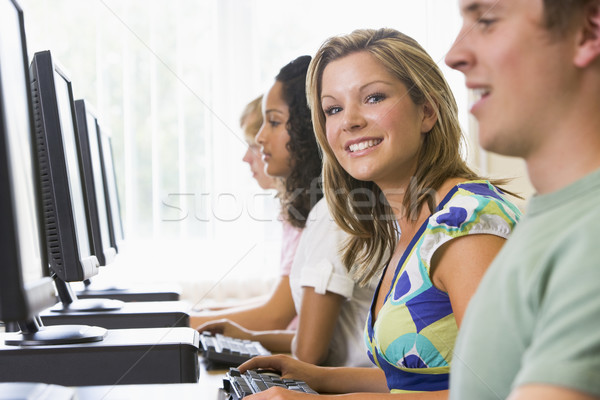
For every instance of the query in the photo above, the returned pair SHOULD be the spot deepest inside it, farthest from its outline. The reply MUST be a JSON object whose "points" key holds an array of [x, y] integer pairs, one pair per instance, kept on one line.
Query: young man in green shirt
{"points": [[532, 330]]}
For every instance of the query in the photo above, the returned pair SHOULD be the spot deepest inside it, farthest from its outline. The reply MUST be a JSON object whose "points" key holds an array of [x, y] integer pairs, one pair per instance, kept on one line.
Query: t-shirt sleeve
{"points": [[565, 344], [322, 265], [468, 214], [290, 238]]}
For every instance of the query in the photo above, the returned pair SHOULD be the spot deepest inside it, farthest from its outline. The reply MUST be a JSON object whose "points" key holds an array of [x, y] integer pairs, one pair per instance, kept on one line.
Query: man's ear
{"points": [[588, 40]]}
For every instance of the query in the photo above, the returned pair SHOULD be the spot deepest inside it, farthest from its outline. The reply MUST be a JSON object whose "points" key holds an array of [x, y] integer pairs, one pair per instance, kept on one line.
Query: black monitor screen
{"points": [[23, 276]]}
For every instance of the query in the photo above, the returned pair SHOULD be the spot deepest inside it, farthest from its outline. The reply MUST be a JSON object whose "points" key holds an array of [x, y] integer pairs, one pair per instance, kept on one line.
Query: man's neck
{"points": [[552, 169], [569, 148]]}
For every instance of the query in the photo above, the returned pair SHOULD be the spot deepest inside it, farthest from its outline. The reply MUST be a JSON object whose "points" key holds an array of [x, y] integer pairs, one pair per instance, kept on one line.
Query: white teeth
{"points": [[479, 93], [476, 95], [363, 145]]}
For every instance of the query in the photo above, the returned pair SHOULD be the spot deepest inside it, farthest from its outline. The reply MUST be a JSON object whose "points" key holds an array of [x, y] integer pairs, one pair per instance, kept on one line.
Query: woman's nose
{"points": [[261, 135], [353, 118]]}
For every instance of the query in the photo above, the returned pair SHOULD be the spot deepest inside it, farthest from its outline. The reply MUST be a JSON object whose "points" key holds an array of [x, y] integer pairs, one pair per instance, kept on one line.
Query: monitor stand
{"points": [[149, 314], [127, 293], [70, 303], [34, 333]]}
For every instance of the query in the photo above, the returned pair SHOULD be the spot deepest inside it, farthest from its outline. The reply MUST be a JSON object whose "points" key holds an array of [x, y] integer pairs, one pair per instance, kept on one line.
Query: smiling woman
{"points": [[386, 152], [432, 226], [169, 79]]}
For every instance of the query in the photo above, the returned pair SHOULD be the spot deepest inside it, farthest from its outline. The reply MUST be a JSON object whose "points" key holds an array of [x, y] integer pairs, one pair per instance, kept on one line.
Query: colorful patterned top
{"points": [[412, 340]]}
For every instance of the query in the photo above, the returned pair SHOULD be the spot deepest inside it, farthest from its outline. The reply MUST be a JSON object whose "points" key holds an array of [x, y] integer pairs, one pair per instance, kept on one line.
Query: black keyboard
{"points": [[238, 385], [228, 351]]}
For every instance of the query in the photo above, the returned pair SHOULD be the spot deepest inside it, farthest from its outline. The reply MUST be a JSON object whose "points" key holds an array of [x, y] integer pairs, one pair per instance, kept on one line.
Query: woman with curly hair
{"points": [[275, 310], [394, 179], [331, 308]]}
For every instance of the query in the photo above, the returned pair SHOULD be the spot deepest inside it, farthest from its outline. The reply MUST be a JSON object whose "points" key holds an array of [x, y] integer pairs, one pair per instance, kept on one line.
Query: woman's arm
{"points": [[275, 313], [233, 305], [278, 341], [311, 342], [458, 266], [316, 324], [351, 383], [277, 393], [322, 379]]}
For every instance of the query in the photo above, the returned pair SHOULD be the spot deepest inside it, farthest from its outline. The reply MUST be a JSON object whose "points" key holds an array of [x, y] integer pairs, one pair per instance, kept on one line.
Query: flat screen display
{"points": [[66, 122], [16, 112]]}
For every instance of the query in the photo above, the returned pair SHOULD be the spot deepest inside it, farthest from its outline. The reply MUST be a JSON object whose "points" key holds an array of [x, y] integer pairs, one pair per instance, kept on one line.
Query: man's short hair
{"points": [[559, 15]]}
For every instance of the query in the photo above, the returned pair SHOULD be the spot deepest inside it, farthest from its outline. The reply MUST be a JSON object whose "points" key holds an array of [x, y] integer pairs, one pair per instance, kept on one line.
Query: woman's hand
{"points": [[288, 367], [366, 383], [227, 328], [278, 393]]}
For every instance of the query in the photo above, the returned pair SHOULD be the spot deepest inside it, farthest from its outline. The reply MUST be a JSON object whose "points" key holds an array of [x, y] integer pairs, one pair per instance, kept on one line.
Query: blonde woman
{"points": [[394, 179]]}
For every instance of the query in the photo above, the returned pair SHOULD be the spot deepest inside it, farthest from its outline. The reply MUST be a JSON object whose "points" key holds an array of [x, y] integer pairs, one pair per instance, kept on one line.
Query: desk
{"points": [[127, 356], [208, 387]]}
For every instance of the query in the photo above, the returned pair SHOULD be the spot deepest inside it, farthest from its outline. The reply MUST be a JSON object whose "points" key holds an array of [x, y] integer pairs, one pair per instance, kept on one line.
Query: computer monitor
{"points": [[68, 234], [67, 231], [111, 190], [93, 177], [25, 284]]}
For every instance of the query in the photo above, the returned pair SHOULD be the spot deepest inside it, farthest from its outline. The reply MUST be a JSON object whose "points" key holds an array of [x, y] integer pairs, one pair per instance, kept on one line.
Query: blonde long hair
{"points": [[253, 113], [372, 225]]}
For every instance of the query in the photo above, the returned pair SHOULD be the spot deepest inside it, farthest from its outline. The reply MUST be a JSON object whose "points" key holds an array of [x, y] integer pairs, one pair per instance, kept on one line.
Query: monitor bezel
{"points": [[21, 301]]}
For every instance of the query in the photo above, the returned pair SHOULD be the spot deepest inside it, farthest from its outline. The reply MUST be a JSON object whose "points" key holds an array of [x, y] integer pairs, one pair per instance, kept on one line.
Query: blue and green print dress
{"points": [[412, 340]]}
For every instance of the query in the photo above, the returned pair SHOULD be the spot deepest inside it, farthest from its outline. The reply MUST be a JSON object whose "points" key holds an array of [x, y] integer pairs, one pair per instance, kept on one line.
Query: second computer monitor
{"points": [[68, 235]]}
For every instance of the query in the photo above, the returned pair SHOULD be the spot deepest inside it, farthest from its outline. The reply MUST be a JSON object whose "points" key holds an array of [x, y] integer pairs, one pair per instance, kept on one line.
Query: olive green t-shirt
{"points": [[535, 318]]}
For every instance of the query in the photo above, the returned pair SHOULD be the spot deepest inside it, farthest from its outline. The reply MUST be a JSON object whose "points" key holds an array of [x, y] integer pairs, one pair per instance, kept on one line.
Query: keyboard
{"points": [[228, 351], [238, 385]]}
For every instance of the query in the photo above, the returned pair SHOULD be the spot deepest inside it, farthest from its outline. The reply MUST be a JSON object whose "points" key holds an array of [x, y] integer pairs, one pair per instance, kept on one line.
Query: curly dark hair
{"points": [[303, 185]]}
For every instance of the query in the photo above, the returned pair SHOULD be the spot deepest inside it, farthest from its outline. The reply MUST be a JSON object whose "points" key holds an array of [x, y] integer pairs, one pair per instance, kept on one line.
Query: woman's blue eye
{"points": [[332, 110], [375, 98], [274, 123]]}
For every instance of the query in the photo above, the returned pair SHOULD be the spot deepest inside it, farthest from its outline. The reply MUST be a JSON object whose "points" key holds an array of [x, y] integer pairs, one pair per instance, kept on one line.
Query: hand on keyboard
{"points": [[240, 385], [288, 367], [227, 351], [226, 328]]}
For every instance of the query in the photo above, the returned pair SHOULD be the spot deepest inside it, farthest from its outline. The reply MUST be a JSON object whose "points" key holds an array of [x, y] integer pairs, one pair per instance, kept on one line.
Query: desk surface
{"points": [[208, 387]]}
